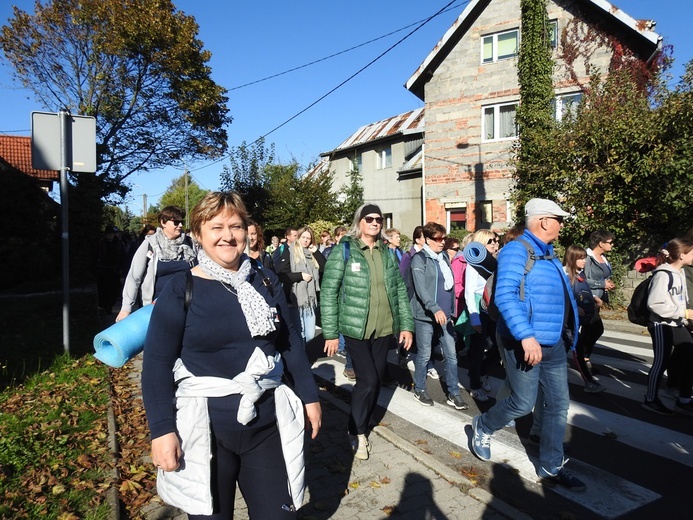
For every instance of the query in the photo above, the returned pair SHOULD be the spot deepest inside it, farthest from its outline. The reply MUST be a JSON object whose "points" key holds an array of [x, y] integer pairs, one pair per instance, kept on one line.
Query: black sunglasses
{"points": [[491, 240], [438, 239], [557, 219], [378, 220], [177, 222]]}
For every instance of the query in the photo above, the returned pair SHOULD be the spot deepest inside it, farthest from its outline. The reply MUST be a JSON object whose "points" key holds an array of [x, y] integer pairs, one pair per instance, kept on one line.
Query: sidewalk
{"points": [[399, 480]]}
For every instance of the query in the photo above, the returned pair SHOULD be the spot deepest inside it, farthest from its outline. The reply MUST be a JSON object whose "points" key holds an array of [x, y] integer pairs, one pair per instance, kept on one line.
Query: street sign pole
{"points": [[65, 160]]}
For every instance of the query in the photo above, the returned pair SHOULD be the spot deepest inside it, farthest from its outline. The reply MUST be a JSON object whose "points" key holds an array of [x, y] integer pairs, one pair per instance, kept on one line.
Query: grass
{"points": [[54, 455]]}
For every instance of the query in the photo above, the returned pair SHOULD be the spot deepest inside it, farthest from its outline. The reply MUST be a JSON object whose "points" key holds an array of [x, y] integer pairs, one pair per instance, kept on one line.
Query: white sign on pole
{"points": [[46, 144]]}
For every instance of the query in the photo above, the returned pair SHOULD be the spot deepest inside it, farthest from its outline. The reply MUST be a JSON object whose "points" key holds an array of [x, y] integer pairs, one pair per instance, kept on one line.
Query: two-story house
{"points": [[470, 88], [388, 156]]}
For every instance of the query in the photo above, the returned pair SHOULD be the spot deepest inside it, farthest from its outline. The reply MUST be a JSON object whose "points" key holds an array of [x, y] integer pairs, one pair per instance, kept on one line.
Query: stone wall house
{"points": [[470, 88], [388, 157]]}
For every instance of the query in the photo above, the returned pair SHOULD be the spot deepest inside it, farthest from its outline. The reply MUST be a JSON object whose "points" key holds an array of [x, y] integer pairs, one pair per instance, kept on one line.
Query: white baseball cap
{"points": [[536, 207]]}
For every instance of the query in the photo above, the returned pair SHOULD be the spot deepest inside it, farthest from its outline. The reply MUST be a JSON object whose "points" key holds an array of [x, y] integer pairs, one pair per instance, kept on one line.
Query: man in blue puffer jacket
{"points": [[538, 321]]}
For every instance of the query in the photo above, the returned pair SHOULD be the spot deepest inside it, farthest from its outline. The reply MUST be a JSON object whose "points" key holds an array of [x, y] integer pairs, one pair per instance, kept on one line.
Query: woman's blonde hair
{"points": [[213, 204], [483, 236], [299, 256]]}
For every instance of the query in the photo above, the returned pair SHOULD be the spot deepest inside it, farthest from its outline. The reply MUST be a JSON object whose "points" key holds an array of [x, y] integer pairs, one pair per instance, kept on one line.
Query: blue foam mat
{"points": [[122, 341]]}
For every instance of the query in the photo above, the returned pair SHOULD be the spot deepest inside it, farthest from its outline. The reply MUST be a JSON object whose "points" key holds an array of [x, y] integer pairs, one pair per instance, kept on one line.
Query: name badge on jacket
{"points": [[355, 267]]}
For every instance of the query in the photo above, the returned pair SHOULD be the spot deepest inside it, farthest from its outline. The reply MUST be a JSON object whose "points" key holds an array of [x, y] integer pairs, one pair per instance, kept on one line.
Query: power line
{"points": [[311, 105], [342, 52]]}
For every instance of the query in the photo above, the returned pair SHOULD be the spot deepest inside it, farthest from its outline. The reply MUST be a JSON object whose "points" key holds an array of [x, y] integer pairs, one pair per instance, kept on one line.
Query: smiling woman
{"points": [[231, 337]]}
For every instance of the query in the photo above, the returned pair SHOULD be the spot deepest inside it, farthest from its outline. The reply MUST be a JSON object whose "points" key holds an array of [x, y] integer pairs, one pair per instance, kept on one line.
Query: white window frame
{"points": [[559, 103], [554, 40], [496, 122], [384, 158], [494, 46]]}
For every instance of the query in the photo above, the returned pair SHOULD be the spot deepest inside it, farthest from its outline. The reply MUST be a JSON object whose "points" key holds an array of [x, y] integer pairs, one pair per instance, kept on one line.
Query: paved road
{"points": [[636, 464]]}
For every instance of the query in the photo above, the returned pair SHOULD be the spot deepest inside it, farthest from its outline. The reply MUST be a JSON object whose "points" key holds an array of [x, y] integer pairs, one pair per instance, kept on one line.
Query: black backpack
{"points": [[638, 311]]}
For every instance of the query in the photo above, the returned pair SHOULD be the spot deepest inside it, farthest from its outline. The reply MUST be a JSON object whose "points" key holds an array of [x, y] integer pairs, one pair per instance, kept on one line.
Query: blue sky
{"points": [[251, 40]]}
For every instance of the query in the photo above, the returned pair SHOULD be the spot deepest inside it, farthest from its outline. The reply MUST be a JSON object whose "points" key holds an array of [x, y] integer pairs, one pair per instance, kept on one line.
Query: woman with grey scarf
{"points": [[299, 268], [159, 257]]}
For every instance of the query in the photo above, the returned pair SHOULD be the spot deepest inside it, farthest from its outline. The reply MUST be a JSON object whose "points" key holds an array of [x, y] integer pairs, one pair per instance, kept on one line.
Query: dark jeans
{"points": [[369, 357], [253, 458]]}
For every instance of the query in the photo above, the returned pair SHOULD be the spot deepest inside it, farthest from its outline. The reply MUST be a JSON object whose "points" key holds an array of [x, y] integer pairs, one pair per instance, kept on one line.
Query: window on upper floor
{"points": [[384, 158], [553, 33], [500, 46], [566, 104], [485, 209], [498, 122]]}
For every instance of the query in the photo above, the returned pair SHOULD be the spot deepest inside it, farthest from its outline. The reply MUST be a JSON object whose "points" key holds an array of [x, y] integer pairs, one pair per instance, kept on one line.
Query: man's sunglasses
{"points": [[369, 220]]}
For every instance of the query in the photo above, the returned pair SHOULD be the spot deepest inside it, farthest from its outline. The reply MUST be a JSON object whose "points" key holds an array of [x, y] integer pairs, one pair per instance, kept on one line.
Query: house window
{"points": [[499, 46], [485, 209], [553, 33], [499, 122], [566, 105], [457, 219], [385, 158]]}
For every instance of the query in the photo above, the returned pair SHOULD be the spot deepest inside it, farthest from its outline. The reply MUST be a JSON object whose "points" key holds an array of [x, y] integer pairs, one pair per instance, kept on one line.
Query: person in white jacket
{"points": [[669, 317]]}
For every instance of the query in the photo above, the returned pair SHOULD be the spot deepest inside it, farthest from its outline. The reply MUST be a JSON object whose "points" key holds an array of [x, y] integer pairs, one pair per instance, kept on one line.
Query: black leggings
{"points": [[591, 332], [369, 357], [253, 458], [664, 340]]}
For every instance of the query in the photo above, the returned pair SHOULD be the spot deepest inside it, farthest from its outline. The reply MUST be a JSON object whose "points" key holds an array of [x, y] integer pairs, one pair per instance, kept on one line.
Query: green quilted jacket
{"points": [[345, 293]]}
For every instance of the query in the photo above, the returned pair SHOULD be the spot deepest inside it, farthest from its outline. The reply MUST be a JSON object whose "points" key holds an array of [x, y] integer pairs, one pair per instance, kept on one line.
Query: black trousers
{"points": [[664, 340], [252, 458], [591, 333], [369, 358]]}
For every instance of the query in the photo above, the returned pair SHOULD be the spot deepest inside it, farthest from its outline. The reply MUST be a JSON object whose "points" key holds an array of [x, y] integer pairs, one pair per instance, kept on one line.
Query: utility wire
{"points": [[338, 86], [446, 9]]}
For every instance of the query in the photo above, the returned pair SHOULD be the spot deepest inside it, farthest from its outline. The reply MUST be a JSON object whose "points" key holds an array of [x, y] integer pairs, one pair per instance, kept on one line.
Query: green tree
{"points": [[534, 113], [247, 174], [176, 195], [136, 66], [352, 194]]}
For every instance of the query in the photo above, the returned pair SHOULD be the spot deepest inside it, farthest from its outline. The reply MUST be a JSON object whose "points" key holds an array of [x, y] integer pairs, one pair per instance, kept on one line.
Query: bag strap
{"points": [[188, 290], [532, 257]]}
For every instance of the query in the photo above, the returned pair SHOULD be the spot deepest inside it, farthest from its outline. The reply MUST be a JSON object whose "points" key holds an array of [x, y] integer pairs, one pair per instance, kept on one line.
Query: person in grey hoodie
{"points": [[669, 318]]}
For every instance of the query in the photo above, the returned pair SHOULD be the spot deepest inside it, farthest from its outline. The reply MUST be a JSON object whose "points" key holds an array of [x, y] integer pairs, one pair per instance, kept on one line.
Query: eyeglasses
{"points": [[177, 222], [438, 239], [455, 248], [492, 240], [609, 242], [378, 220], [557, 219]]}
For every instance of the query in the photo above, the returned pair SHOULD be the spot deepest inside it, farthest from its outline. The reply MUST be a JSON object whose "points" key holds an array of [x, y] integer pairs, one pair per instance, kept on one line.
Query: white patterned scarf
{"points": [[170, 250], [257, 312], [448, 280]]}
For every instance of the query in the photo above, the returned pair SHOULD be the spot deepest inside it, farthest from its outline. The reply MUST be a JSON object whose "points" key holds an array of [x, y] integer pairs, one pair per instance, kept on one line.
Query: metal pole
{"points": [[65, 160], [187, 209]]}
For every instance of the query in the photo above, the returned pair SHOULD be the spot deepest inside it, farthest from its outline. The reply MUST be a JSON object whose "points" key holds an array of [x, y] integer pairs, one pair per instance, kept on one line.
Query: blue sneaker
{"points": [[562, 478], [481, 441]]}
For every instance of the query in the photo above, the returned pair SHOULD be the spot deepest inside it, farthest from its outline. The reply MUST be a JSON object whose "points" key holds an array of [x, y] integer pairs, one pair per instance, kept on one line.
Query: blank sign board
{"points": [[46, 143]]}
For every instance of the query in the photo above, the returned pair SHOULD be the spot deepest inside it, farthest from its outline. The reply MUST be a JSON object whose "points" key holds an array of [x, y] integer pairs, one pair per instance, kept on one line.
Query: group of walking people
{"points": [[227, 337]]}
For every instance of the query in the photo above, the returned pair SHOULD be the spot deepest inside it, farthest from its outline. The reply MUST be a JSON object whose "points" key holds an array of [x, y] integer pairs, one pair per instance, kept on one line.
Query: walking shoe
{"points": [[684, 408], [341, 354], [457, 401], [485, 386], [349, 374], [592, 387], [423, 398], [432, 373], [362, 447], [656, 406], [671, 392], [566, 479], [479, 395], [481, 442], [511, 424], [388, 380]]}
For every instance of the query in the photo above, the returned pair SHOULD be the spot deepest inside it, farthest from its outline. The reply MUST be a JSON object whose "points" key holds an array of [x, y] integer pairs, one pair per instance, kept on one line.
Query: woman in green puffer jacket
{"points": [[363, 297]]}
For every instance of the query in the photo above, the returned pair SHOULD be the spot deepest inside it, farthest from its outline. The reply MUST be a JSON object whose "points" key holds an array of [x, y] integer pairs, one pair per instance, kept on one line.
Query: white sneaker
{"points": [[479, 395], [433, 373], [485, 386]]}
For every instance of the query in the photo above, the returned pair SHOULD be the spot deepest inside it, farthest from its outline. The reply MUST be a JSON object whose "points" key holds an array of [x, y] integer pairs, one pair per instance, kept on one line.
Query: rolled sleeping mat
{"points": [[122, 341], [478, 257]]}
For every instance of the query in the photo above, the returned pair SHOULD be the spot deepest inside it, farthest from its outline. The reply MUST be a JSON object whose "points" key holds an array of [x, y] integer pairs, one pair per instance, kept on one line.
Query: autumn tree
{"points": [[137, 66]]}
